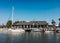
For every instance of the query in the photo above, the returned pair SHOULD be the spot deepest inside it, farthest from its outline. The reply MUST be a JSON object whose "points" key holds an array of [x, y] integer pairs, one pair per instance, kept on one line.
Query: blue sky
{"points": [[29, 10]]}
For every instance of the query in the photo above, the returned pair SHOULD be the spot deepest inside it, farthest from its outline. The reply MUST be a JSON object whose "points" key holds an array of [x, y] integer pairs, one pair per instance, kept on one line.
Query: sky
{"points": [[28, 10]]}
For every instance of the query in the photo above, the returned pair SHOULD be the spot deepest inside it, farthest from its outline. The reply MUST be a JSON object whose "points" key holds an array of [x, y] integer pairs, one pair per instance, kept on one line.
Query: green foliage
{"points": [[19, 22], [9, 24], [59, 22], [59, 19], [53, 22], [16, 22]]}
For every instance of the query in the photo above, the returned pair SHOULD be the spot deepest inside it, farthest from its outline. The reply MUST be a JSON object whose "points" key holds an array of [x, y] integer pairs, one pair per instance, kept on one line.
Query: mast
{"points": [[12, 10], [12, 13]]}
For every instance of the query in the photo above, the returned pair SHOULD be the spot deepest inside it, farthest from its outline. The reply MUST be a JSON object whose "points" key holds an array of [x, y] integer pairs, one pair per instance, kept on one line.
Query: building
{"points": [[2, 26], [31, 24]]}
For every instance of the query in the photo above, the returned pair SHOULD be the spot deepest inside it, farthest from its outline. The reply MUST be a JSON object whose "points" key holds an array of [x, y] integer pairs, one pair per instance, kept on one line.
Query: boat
{"points": [[12, 29], [15, 30], [48, 31], [36, 30], [27, 30], [58, 31]]}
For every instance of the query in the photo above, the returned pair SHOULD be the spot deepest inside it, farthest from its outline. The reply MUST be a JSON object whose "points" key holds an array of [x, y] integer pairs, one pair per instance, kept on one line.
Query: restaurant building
{"points": [[31, 24]]}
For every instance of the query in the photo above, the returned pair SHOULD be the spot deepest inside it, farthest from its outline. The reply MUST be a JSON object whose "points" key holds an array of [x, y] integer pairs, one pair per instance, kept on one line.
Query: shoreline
{"points": [[18, 30], [9, 30]]}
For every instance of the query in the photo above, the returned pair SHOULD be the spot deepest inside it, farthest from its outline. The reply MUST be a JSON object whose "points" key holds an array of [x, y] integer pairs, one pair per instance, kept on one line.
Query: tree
{"points": [[9, 24], [16, 22], [53, 23], [59, 22], [19, 22]]}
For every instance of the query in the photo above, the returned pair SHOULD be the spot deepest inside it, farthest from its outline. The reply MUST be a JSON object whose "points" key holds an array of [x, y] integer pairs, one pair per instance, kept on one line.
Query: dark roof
{"points": [[32, 23]]}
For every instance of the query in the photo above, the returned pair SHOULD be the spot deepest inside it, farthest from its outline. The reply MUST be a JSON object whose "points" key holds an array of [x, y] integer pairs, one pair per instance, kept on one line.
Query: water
{"points": [[30, 37]]}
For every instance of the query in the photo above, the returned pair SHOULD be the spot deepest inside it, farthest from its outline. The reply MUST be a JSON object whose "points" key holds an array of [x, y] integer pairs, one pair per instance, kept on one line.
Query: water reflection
{"points": [[30, 37]]}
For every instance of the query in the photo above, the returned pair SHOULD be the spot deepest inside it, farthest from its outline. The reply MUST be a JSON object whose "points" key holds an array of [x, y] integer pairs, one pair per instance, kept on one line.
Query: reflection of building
{"points": [[31, 24]]}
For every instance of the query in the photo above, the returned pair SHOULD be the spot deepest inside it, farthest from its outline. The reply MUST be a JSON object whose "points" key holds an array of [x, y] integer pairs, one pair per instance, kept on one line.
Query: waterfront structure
{"points": [[50, 27], [2, 26], [31, 24]]}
